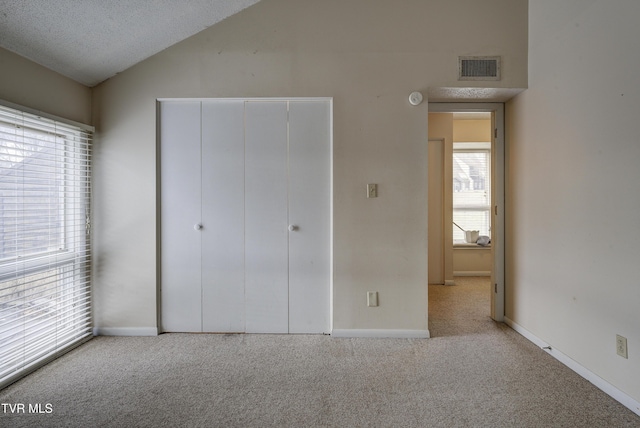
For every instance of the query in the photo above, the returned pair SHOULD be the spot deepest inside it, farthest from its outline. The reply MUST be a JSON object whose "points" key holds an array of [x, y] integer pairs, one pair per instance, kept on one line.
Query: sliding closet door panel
{"points": [[180, 211], [223, 216], [310, 210], [266, 254]]}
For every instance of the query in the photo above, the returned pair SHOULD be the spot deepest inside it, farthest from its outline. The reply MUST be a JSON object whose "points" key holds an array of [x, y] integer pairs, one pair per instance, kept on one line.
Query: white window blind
{"points": [[45, 295], [471, 189]]}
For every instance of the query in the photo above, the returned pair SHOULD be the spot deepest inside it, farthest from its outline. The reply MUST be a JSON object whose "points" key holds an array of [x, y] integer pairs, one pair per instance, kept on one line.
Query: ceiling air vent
{"points": [[479, 68]]}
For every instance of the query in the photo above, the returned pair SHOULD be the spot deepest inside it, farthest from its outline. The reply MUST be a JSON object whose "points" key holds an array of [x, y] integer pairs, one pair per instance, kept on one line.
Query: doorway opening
{"points": [[466, 204]]}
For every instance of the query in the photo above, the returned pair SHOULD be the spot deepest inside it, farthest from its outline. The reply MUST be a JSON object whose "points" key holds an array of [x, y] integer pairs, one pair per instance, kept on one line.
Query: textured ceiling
{"points": [[92, 40]]}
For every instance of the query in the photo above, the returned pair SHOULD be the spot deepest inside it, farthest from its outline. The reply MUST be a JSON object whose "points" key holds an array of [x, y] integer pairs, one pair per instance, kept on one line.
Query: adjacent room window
{"points": [[471, 189], [45, 299]]}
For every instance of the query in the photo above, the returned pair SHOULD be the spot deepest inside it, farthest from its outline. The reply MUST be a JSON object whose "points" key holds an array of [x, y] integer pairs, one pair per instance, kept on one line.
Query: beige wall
{"points": [[31, 85], [472, 130], [572, 220], [368, 55], [472, 261]]}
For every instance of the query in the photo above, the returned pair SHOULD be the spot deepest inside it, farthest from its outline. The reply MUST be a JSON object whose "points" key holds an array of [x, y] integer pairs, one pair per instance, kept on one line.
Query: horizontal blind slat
{"points": [[45, 255]]}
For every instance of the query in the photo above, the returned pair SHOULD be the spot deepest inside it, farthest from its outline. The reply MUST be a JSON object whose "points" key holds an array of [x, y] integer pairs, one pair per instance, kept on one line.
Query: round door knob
{"points": [[293, 228], [197, 226]]}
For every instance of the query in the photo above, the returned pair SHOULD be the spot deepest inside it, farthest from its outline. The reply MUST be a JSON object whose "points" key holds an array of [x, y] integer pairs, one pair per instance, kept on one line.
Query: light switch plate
{"points": [[372, 190]]}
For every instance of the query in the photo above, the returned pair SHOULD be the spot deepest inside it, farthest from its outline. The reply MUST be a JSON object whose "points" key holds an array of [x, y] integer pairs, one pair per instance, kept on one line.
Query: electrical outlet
{"points": [[372, 298], [621, 346]]}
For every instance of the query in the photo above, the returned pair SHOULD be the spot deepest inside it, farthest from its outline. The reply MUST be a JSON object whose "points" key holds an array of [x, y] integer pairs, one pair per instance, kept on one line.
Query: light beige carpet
{"points": [[472, 373]]}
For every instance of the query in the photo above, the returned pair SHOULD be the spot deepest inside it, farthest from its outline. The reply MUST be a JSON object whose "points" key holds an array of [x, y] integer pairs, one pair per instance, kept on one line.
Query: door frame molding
{"points": [[497, 238], [442, 246]]}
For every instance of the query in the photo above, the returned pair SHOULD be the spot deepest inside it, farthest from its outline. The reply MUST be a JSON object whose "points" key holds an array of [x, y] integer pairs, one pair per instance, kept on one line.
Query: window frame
{"points": [[486, 149], [47, 292]]}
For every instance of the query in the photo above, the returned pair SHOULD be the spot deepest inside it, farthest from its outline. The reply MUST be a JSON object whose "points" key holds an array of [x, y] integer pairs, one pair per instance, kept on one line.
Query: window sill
{"points": [[466, 246]]}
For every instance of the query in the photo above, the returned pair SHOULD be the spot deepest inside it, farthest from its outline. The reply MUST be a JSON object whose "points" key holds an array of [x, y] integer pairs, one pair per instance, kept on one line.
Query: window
{"points": [[471, 189], [45, 299]]}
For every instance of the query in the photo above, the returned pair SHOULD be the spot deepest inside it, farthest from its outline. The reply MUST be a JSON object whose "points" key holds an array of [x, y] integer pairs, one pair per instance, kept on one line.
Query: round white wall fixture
{"points": [[415, 98]]}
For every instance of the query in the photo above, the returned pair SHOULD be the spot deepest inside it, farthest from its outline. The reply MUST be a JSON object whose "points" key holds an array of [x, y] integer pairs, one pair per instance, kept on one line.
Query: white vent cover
{"points": [[479, 68]]}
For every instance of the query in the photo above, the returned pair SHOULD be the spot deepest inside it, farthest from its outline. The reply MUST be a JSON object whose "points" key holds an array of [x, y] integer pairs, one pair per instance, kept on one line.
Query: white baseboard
{"points": [[125, 331], [472, 273], [381, 333], [449, 282], [602, 384]]}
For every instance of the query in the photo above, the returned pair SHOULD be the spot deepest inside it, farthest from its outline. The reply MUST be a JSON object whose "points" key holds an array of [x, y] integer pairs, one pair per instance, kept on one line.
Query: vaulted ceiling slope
{"points": [[90, 41]]}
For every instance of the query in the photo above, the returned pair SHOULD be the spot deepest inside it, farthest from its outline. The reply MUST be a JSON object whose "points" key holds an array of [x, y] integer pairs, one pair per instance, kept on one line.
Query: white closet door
{"points": [[310, 211], [266, 252], [180, 212], [223, 216]]}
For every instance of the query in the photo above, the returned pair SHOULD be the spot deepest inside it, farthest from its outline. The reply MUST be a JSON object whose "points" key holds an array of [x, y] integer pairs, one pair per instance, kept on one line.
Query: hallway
{"points": [[461, 309]]}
